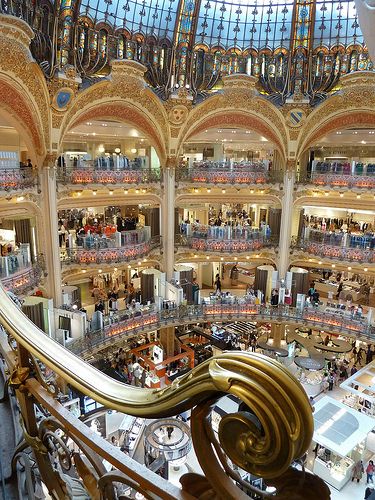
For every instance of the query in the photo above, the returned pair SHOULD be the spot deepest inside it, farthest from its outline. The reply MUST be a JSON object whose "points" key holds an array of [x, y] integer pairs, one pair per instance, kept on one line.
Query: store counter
{"points": [[336, 473]]}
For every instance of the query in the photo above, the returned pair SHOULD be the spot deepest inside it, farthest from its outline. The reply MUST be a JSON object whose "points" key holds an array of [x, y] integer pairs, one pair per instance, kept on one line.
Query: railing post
{"points": [[168, 215], [286, 220], [26, 403]]}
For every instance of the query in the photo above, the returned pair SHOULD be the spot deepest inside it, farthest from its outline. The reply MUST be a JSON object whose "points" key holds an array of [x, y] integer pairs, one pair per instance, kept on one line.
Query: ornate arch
{"points": [[346, 119], [21, 116], [237, 107], [125, 98], [352, 106], [24, 91]]}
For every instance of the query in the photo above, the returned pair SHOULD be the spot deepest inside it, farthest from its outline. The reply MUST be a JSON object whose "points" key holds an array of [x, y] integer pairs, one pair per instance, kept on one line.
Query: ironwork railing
{"points": [[66, 453], [125, 324], [23, 281], [110, 255], [335, 251], [94, 175], [337, 179], [254, 243], [221, 173], [16, 179]]}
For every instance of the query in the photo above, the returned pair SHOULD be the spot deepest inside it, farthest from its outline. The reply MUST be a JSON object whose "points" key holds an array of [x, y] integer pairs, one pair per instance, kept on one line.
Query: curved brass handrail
{"points": [[285, 423]]}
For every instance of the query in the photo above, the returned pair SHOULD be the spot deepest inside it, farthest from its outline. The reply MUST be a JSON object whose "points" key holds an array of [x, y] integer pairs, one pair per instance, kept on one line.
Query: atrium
{"points": [[187, 235]]}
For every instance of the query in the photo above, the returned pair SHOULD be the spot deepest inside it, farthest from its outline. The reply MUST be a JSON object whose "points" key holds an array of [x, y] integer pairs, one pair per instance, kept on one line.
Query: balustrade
{"points": [[13, 179], [126, 324], [341, 174], [23, 281], [252, 241], [211, 172], [346, 247], [89, 172], [111, 254]]}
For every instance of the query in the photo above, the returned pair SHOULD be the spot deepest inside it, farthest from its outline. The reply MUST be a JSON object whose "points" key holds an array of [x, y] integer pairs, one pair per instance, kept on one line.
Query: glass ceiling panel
{"points": [[243, 24], [336, 23], [150, 17]]}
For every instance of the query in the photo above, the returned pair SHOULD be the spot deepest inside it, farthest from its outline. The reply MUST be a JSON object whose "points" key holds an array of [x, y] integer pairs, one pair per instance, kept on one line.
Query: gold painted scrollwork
{"points": [[279, 428]]}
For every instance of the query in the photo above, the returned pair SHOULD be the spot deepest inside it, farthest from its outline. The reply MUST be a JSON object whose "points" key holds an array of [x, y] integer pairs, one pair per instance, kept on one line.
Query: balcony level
{"points": [[125, 324], [337, 246], [109, 174], [225, 239], [243, 173], [114, 248], [17, 179], [342, 160]]}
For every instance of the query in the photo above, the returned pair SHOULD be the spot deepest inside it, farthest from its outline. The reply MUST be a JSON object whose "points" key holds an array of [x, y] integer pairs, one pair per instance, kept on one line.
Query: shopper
{"points": [[218, 283], [331, 381], [358, 471], [370, 472]]}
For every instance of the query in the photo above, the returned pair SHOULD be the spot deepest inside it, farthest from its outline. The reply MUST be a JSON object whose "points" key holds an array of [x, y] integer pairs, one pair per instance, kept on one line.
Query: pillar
{"points": [[167, 338], [168, 218], [277, 333], [286, 222], [50, 232]]}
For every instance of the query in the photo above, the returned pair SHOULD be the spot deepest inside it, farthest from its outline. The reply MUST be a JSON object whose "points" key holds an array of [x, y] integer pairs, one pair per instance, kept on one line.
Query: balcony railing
{"points": [[17, 179], [111, 254], [228, 173], [23, 281], [123, 325], [338, 246], [98, 174], [251, 244], [338, 179], [68, 453]]}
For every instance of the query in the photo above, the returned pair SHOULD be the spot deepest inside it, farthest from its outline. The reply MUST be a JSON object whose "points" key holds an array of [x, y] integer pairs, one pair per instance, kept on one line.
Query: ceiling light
{"points": [[221, 258], [208, 258], [83, 270], [144, 190], [117, 151], [341, 195], [363, 142], [20, 198], [320, 262], [133, 150], [247, 257], [101, 148], [326, 194], [223, 191], [333, 265], [94, 192], [365, 269], [111, 192], [126, 191], [208, 190], [129, 266], [195, 190], [358, 196], [137, 191]]}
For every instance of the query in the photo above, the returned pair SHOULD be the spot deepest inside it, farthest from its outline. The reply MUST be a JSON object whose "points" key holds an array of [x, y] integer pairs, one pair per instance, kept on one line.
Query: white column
{"points": [[167, 228], [50, 234], [286, 223]]}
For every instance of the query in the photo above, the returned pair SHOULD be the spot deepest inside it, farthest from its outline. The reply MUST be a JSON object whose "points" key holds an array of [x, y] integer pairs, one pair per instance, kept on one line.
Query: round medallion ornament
{"points": [[62, 98], [178, 114]]}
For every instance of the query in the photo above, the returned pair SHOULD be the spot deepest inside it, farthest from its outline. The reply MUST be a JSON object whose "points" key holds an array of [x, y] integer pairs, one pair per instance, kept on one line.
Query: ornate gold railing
{"points": [[273, 430]]}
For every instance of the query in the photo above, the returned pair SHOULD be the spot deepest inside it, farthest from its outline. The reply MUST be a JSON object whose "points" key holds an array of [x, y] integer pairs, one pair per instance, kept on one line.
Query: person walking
{"points": [[331, 380], [358, 471], [370, 472], [218, 283]]}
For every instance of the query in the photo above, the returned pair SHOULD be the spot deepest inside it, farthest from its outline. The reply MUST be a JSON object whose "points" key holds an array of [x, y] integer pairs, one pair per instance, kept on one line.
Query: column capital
{"points": [[172, 162], [50, 160]]}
